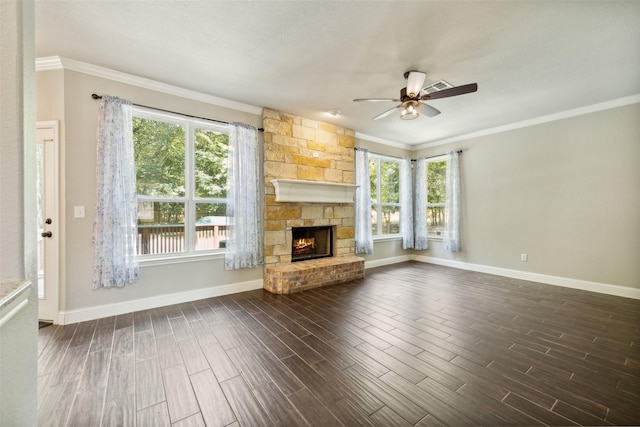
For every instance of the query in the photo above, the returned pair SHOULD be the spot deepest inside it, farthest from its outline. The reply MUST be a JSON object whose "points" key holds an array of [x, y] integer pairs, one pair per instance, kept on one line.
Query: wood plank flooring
{"points": [[411, 344]]}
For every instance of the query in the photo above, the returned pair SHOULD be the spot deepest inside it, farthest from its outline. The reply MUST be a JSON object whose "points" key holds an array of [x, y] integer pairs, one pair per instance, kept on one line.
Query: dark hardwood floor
{"points": [[411, 344]]}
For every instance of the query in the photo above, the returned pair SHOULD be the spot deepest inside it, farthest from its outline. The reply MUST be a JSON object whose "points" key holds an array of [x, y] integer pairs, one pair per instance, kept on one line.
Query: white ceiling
{"points": [[529, 58]]}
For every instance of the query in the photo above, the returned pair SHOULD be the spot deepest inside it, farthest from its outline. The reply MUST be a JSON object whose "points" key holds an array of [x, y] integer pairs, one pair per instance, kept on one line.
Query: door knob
{"points": [[47, 234]]}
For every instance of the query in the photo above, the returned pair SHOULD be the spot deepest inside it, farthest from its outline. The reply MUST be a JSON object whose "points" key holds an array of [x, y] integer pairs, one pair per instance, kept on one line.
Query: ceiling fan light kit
{"points": [[410, 110], [415, 79], [411, 100]]}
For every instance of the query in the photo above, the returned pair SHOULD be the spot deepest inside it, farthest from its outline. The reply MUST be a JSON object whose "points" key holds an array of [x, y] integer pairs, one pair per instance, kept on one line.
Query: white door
{"points": [[48, 220]]}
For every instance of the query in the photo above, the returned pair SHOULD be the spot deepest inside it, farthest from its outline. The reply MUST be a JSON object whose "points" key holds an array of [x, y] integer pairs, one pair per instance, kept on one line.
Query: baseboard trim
{"points": [[386, 261], [106, 310], [602, 288]]}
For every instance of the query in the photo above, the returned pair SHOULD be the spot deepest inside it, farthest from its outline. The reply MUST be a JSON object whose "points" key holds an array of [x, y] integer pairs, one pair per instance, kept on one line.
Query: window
{"points": [[384, 174], [436, 196], [181, 172]]}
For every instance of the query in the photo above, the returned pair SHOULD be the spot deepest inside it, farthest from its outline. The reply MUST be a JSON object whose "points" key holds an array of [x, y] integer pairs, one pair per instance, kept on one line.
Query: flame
{"points": [[304, 245]]}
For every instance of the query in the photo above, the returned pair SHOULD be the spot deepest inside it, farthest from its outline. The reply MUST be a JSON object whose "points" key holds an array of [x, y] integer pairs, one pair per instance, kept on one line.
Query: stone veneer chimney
{"points": [[303, 149]]}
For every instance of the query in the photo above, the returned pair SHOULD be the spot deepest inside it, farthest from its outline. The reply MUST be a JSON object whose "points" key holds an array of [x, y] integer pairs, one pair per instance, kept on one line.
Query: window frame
{"points": [[436, 159], [190, 125], [379, 158]]}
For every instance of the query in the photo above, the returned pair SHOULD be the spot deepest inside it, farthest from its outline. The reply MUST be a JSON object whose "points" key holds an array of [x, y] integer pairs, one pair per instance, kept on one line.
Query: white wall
{"points": [[566, 192], [159, 284], [11, 146], [19, 339], [548, 190]]}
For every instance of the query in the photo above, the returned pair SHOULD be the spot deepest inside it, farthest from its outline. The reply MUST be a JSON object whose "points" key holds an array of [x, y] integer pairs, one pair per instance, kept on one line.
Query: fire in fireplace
{"points": [[305, 245], [311, 242]]}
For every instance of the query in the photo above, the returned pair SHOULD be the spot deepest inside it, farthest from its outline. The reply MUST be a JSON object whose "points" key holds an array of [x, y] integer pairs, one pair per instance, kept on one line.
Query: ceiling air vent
{"points": [[437, 86]]}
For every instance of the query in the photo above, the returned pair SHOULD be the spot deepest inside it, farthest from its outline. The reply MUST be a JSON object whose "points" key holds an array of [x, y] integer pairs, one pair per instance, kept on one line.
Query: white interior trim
{"points": [[106, 310], [15, 300], [396, 144], [585, 285], [57, 62], [620, 102], [387, 261], [155, 260], [49, 63]]}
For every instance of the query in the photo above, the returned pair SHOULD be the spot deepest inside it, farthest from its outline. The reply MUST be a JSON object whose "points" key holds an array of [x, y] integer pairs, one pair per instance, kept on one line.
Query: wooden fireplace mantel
{"points": [[297, 190]]}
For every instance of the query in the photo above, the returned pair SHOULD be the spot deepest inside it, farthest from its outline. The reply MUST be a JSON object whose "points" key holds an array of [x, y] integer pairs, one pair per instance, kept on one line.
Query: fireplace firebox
{"points": [[311, 243]]}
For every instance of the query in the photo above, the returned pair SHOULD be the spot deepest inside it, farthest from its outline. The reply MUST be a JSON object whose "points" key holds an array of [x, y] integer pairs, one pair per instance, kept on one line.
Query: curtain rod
{"points": [[95, 96], [398, 157]]}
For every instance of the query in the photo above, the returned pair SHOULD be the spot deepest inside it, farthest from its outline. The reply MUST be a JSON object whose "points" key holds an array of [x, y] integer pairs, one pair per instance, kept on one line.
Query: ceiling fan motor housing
{"points": [[403, 95]]}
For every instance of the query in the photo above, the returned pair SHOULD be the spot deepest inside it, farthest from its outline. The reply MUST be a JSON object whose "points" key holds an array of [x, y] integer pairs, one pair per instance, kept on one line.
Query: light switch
{"points": [[78, 211]]}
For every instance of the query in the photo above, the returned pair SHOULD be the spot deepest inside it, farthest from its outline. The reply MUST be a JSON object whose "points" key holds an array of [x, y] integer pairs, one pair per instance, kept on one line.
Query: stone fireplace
{"points": [[309, 170]]}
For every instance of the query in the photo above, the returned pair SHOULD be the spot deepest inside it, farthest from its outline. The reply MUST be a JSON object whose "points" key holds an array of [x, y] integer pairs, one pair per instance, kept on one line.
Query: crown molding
{"points": [[49, 63], [395, 144], [57, 62], [607, 105]]}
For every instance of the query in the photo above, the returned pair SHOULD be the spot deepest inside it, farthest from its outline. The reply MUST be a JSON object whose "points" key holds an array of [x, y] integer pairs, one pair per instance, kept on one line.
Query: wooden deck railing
{"points": [[164, 239]]}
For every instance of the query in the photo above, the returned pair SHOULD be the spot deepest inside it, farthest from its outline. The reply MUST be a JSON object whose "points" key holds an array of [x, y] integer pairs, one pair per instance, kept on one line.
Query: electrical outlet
{"points": [[523, 257], [78, 211]]}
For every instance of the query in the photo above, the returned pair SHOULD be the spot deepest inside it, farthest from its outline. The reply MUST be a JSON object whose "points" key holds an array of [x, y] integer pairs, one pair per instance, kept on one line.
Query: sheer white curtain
{"points": [[363, 233], [406, 203], [420, 223], [244, 207], [115, 229], [451, 239]]}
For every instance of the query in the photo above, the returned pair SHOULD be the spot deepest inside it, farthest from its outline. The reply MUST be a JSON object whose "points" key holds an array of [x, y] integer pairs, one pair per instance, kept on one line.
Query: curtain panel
{"points": [[244, 202], [115, 230], [406, 203], [421, 241], [451, 239], [363, 232]]}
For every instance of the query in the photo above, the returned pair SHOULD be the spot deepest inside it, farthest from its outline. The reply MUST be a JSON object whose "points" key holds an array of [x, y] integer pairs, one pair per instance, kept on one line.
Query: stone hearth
{"points": [[300, 276]]}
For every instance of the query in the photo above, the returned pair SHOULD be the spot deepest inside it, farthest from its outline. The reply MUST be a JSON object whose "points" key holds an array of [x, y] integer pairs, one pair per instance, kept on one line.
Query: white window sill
{"points": [[399, 237], [178, 258], [387, 237]]}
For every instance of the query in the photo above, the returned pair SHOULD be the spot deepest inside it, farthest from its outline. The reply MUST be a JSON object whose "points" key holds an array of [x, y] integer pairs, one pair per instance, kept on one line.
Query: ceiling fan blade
{"points": [[376, 99], [386, 113], [428, 110], [454, 91]]}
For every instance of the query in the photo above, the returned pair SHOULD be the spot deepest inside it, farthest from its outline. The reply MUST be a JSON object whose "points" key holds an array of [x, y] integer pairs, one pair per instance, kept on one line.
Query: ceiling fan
{"points": [[412, 102]]}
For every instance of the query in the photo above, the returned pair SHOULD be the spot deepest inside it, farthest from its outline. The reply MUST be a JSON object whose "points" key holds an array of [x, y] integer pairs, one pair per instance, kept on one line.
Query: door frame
{"points": [[49, 308]]}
